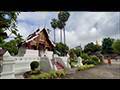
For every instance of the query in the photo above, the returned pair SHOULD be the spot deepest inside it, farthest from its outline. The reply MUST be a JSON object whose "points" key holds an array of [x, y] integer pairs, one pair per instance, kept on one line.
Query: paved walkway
{"points": [[104, 71]]}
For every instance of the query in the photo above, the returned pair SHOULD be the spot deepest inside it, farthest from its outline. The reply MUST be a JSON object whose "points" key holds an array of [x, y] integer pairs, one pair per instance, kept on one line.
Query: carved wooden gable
{"points": [[42, 38]]}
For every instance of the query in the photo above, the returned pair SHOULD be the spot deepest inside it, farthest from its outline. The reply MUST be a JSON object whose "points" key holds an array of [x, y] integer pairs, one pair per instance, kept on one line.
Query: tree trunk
{"points": [[64, 42], [61, 40], [54, 41], [54, 35]]}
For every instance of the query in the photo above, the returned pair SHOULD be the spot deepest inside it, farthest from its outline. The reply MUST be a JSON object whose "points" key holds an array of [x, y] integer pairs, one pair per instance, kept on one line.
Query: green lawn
{"points": [[74, 62]]}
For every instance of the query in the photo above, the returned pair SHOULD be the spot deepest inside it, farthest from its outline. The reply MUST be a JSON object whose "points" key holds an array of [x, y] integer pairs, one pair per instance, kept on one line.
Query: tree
{"points": [[11, 47], [76, 51], [92, 48], [116, 46], [8, 24], [106, 46], [19, 39], [63, 17], [60, 26], [48, 30], [54, 25], [57, 49]]}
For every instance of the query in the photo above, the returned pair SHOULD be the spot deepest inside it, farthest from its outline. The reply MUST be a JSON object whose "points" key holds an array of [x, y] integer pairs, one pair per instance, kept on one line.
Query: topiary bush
{"points": [[34, 65]]}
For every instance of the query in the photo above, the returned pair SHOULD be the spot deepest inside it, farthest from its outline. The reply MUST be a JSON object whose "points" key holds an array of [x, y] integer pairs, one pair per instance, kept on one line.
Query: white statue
{"points": [[79, 61]]}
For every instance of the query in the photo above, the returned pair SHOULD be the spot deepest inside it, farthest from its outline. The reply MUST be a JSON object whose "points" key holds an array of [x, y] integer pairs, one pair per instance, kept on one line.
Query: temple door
{"points": [[41, 49]]}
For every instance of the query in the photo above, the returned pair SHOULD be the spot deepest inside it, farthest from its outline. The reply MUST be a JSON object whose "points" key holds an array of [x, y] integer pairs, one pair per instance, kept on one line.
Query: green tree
{"points": [[54, 25], [76, 51], [116, 46], [92, 48], [19, 38], [49, 31], [60, 26], [57, 49], [106, 46], [6, 24], [11, 47], [63, 17]]}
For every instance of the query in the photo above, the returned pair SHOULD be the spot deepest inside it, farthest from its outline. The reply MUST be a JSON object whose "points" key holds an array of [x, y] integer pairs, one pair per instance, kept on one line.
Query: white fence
{"points": [[15, 65]]}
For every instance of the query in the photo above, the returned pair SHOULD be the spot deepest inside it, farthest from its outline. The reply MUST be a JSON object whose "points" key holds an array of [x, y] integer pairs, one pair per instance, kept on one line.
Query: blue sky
{"points": [[81, 27]]}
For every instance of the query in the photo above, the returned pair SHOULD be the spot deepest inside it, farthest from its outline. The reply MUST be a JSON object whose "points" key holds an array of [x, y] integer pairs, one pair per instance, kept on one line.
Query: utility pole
{"points": [[79, 47]]}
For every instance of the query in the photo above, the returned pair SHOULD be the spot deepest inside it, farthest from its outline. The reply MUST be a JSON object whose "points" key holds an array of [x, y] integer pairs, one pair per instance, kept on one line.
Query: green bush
{"points": [[46, 76], [53, 74], [90, 62], [34, 65], [58, 73], [41, 76], [65, 69], [62, 73], [85, 56], [95, 58], [84, 67], [101, 55], [34, 77], [71, 65]]}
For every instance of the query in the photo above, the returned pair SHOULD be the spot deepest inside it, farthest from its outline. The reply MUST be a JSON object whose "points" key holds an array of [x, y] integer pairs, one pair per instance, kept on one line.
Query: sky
{"points": [[81, 27]]}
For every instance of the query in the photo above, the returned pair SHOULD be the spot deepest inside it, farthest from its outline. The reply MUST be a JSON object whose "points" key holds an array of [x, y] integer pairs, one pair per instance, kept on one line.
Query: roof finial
{"points": [[39, 26], [45, 25]]}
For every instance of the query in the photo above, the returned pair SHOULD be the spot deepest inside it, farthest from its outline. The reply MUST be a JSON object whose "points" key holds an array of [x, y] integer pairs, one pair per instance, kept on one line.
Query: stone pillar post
{"points": [[8, 67]]}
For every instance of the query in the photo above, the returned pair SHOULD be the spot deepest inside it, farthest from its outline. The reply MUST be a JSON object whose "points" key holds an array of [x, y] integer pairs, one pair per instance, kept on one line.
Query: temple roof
{"points": [[34, 35]]}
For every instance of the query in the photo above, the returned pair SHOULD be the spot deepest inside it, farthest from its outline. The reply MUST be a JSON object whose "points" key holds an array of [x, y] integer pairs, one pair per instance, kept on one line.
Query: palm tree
{"points": [[60, 26], [63, 17], [54, 26]]}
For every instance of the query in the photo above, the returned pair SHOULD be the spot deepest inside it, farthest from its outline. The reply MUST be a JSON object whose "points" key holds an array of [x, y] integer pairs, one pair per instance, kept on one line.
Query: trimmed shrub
{"points": [[71, 65], [34, 77], [58, 73], [41, 76], [34, 65], [84, 56], [90, 62], [95, 58], [46, 76], [52, 73], [84, 67], [62, 73], [65, 69]]}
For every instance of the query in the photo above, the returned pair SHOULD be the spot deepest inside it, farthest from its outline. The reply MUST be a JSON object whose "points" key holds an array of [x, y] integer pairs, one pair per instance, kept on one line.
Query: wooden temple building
{"points": [[37, 41]]}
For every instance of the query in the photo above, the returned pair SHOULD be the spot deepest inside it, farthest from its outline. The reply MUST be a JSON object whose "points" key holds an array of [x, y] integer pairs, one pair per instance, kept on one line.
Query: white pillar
{"points": [[8, 67]]}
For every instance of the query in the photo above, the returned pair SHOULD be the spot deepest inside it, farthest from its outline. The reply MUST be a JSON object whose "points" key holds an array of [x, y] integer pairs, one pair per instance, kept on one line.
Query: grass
{"points": [[74, 62]]}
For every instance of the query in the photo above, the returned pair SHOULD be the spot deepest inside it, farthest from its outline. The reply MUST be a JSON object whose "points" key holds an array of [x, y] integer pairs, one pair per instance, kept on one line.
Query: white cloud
{"points": [[81, 27]]}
